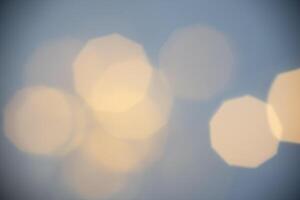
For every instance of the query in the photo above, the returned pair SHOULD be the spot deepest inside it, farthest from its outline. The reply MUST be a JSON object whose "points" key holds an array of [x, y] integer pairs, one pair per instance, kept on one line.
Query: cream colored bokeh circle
{"points": [[38, 120], [112, 154], [198, 61], [81, 122], [145, 118], [284, 97], [112, 73], [241, 133]]}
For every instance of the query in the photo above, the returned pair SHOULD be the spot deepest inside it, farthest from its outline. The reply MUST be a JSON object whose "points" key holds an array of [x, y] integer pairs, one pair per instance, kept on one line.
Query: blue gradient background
{"points": [[265, 35]]}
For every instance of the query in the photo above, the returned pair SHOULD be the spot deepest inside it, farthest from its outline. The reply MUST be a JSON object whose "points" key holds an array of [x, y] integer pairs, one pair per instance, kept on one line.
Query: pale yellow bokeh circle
{"points": [[112, 73], [241, 134], [38, 120], [144, 119], [284, 97], [81, 121], [274, 122], [121, 86], [112, 154]]}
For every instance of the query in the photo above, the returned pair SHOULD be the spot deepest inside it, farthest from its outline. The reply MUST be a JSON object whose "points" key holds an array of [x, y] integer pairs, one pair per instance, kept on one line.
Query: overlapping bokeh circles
{"points": [[144, 119], [39, 120], [112, 73], [284, 97], [107, 132], [102, 109]]}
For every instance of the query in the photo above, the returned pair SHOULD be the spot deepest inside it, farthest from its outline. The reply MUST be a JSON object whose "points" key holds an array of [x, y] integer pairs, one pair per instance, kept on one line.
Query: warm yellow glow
{"points": [[240, 132], [274, 122], [80, 128], [111, 153], [38, 120], [284, 97], [51, 64], [112, 73], [160, 93], [121, 86], [150, 150], [145, 118], [198, 61], [89, 180]]}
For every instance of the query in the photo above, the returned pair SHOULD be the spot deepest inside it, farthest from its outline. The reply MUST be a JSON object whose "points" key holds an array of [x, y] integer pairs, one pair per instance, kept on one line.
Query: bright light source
{"points": [[145, 118], [112, 73], [284, 97], [241, 134]]}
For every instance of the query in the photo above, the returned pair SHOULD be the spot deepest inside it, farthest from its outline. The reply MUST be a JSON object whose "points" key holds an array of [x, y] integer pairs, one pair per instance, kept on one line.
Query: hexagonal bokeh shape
{"points": [[144, 119], [38, 120], [188, 59], [284, 96], [241, 134], [112, 73]]}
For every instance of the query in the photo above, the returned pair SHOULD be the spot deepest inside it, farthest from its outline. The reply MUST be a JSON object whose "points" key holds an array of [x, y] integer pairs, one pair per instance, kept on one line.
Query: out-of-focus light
{"points": [[111, 153], [51, 64], [38, 120], [103, 165], [241, 134], [284, 97], [112, 73], [274, 122], [145, 118], [198, 61], [80, 125], [87, 179]]}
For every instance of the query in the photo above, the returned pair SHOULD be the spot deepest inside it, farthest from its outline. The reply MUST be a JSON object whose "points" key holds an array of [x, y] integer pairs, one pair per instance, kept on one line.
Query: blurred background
{"points": [[144, 100]]}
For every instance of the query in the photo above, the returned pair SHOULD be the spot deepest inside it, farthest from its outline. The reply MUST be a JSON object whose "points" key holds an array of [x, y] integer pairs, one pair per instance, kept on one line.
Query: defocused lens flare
{"points": [[51, 64], [112, 73], [80, 125], [89, 180], [103, 165], [112, 154], [38, 120], [284, 97], [241, 134], [274, 122], [198, 61], [145, 118]]}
